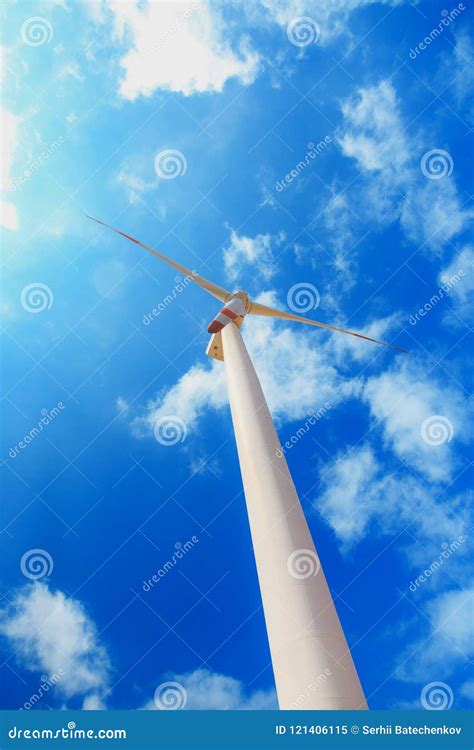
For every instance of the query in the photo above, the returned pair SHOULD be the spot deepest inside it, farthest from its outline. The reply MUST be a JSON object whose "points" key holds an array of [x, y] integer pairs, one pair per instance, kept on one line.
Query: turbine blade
{"points": [[217, 291], [258, 309]]}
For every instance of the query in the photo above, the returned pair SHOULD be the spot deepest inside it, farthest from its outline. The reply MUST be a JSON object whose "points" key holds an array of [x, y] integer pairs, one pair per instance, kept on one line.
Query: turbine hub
{"points": [[239, 294]]}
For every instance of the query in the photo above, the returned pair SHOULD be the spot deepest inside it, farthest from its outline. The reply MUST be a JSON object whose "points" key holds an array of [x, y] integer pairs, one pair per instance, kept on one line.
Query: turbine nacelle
{"points": [[237, 305]]}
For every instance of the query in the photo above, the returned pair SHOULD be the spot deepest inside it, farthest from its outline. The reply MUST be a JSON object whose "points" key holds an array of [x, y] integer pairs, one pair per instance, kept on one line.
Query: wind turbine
{"points": [[312, 663]]}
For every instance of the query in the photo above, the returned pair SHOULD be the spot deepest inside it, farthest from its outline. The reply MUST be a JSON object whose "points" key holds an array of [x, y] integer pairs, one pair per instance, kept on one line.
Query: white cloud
{"points": [[430, 212], [346, 501], [50, 632], [373, 137], [212, 691], [459, 71], [122, 405], [134, 185], [294, 366], [8, 216], [71, 70], [448, 642], [93, 702], [446, 613], [254, 252], [4, 52], [374, 134], [180, 47], [337, 217], [342, 233], [359, 498], [467, 689], [461, 292], [9, 123], [199, 389], [401, 400], [9, 126]]}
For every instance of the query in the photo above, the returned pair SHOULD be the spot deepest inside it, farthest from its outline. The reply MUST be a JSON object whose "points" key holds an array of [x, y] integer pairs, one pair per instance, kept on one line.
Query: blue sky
{"points": [[374, 132]]}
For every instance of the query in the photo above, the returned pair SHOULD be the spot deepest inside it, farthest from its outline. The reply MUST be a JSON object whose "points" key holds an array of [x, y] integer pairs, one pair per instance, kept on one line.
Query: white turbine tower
{"points": [[312, 663]]}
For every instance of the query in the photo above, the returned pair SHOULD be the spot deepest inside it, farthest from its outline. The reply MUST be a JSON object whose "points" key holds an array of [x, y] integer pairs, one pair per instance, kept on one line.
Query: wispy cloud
{"points": [[462, 293], [446, 640], [203, 690], [10, 124], [251, 253], [395, 187]]}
